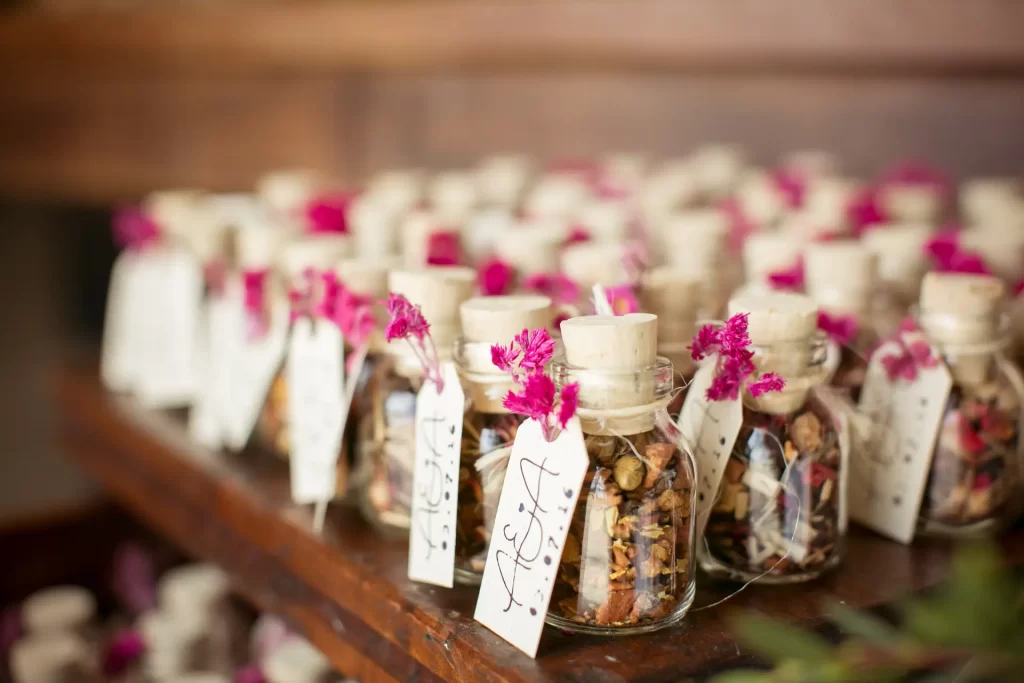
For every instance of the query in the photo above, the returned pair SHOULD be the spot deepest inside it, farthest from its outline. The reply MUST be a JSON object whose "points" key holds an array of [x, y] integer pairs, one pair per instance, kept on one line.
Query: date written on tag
{"points": [[436, 481], [538, 498]]}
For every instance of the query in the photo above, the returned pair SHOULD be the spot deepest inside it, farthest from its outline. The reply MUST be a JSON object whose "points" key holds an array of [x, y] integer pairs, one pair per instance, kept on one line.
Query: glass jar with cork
{"points": [[776, 510], [974, 484], [489, 428], [386, 430], [627, 564], [901, 265], [674, 296], [694, 241]]}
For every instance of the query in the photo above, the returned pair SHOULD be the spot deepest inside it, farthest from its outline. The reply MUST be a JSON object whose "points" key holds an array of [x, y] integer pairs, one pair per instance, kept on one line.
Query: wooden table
{"points": [[348, 592]]}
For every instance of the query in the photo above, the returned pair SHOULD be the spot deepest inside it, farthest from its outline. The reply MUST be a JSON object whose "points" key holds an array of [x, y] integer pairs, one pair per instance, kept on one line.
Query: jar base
{"points": [[719, 570], [467, 577], [681, 610], [985, 528]]}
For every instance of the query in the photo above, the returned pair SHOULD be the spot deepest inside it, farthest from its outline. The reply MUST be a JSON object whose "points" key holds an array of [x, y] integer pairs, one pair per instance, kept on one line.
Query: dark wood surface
{"points": [[348, 590]]}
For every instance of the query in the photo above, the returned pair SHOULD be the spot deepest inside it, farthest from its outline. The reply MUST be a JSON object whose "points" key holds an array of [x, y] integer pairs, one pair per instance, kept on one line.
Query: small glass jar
{"points": [[974, 485], [675, 296], [780, 515], [901, 265], [627, 565]]}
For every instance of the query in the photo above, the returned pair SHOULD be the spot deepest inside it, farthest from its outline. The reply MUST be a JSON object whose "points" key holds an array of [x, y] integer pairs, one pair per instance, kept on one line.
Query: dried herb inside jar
{"points": [[778, 509], [627, 557], [974, 470]]}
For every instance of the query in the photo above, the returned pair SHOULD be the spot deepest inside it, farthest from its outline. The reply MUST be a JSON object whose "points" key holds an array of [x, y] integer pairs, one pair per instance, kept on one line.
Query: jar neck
{"points": [[969, 345], [485, 385], [802, 363], [618, 402]]}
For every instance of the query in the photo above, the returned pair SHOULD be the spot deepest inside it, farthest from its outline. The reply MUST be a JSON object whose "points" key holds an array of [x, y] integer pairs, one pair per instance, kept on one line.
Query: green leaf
{"points": [[778, 640], [864, 625], [743, 676]]}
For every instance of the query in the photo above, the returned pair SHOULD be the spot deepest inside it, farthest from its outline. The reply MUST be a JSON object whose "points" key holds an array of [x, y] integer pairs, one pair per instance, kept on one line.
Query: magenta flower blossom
{"points": [[122, 651], [558, 286], [734, 365], [249, 674], [791, 184], [841, 328], [865, 211], [577, 235], [133, 228], [495, 277], [788, 279], [949, 256], [444, 248], [407, 322], [919, 174], [622, 299], [568, 403], [257, 310], [329, 213], [740, 227], [1018, 287], [300, 295], [351, 312], [529, 351], [905, 363]]}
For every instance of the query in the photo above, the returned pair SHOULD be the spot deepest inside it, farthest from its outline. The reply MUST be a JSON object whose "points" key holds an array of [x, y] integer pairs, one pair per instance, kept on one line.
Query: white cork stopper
{"points": [[533, 247], [1002, 250], [840, 276], [556, 195], [240, 211], [759, 198], [174, 211], [61, 608], [439, 292], [374, 226], [207, 234], [607, 220], [611, 342], [671, 187], [416, 229], [496, 319], [288, 191], [193, 587], [777, 316], [259, 248], [368, 277], [717, 169], [673, 295], [453, 196], [502, 180], [962, 294], [807, 227], [295, 661], [626, 168], [398, 190], [50, 658], [768, 252], [827, 202], [594, 263], [694, 240], [993, 202], [319, 252], [901, 258], [912, 203]]}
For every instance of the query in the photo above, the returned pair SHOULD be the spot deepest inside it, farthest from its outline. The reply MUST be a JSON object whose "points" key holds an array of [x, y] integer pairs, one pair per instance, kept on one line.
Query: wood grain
{"points": [[348, 590]]}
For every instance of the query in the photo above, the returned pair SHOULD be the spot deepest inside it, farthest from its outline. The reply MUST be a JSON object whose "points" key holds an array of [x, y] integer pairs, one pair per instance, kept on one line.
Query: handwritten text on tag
{"points": [[542, 485], [710, 428], [902, 424], [436, 480]]}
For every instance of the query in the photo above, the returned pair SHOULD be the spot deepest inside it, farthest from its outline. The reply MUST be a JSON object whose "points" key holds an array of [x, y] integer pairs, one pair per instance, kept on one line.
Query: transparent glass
{"points": [[974, 485], [852, 365], [627, 565], [778, 517]]}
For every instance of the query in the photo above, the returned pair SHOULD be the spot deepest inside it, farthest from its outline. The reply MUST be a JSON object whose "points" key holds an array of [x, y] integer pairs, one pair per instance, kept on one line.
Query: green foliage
{"points": [[971, 630]]}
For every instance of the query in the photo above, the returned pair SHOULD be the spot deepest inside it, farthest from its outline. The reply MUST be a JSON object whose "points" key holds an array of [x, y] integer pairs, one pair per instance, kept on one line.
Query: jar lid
{"points": [[192, 585], [966, 294], [439, 291], [366, 276], [259, 247], [416, 229], [827, 201], [992, 202], [532, 247], [501, 180], [58, 608], [288, 191], [760, 198], [672, 294], [496, 319], [556, 195], [594, 263], [398, 190], [695, 239], [1002, 250], [777, 316], [317, 251], [717, 168], [46, 658], [373, 225], [175, 211], [295, 661], [607, 220], [611, 342], [911, 203], [767, 252], [670, 187], [846, 265], [453, 195]]}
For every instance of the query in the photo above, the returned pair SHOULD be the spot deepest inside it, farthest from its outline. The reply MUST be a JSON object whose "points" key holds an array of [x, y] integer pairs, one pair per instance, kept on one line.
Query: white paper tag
{"points": [[316, 408], [204, 425], [903, 418], [120, 359], [710, 428], [254, 364], [542, 485], [436, 480], [173, 290]]}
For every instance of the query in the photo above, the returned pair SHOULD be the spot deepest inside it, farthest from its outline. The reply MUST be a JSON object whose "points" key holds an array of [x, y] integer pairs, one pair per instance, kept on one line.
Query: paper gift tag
{"points": [[173, 291], [204, 425], [316, 407], [210, 417], [710, 428], [254, 365], [542, 485], [120, 358], [889, 476], [435, 493]]}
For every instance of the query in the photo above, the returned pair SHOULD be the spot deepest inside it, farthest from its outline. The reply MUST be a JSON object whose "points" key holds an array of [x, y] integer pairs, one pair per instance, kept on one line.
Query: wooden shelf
{"points": [[314, 35], [348, 590]]}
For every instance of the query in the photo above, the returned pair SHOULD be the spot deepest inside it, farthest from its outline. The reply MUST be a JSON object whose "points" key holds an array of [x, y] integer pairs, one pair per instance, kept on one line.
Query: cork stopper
{"points": [[496, 319], [416, 229], [502, 180], [901, 258], [288, 191], [768, 252], [397, 190], [912, 203], [695, 239], [674, 295], [607, 220], [50, 658], [295, 661], [207, 235], [594, 263], [1002, 250], [439, 291], [453, 196], [191, 588], [62, 608], [840, 276], [992, 202], [717, 169], [365, 276], [174, 211], [808, 227], [532, 248], [827, 201], [670, 188], [556, 195], [977, 299], [319, 252], [760, 199], [782, 328], [611, 342], [373, 225]]}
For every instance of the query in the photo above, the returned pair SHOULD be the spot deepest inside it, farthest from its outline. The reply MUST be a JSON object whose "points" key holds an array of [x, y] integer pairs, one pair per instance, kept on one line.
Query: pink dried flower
{"points": [[904, 363], [537, 398], [569, 401], [351, 312], [300, 295], [865, 211], [407, 322], [249, 674], [133, 228], [841, 328], [444, 248], [122, 651], [528, 353], [908, 324], [917, 173], [558, 286], [948, 255], [577, 235], [1018, 287], [622, 299], [329, 213], [791, 184], [495, 277], [788, 279], [257, 310], [735, 362]]}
